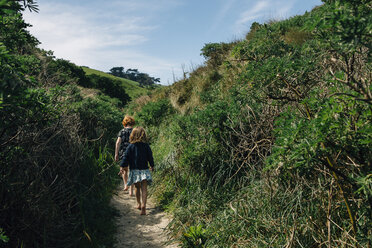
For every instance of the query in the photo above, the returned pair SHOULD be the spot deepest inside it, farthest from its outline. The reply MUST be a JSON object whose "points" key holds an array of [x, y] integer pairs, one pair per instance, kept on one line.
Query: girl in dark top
{"points": [[138, 155], [121, 145]]}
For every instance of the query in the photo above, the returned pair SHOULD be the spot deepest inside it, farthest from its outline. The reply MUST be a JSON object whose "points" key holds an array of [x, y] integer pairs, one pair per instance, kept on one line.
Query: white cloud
{"points": [[253, 13], [83, 36], [73, 26], [263, 11]]}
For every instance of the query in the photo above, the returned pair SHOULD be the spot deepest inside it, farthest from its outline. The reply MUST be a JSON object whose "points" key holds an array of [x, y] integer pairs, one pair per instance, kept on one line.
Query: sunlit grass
{"points": [[132, 88]]}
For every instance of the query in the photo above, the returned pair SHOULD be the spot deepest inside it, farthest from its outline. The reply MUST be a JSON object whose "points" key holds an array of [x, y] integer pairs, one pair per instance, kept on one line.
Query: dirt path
{"points": [[140, 231]]}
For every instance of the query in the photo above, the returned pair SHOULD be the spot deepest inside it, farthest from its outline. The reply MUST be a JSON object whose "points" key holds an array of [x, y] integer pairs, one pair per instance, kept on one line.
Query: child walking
{"points": [[138, 155], [121, 145]]}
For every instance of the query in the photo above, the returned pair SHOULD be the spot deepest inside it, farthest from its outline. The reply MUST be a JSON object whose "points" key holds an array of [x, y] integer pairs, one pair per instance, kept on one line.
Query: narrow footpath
{"points": [[138, 231]]}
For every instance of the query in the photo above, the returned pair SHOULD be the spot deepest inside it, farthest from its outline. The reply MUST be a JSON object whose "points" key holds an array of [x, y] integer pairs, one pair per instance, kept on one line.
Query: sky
{"points": [[162, 38]]}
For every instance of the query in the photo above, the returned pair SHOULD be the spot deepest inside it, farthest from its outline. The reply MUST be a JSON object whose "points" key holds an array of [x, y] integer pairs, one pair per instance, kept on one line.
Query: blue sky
{"points": [[158, 37]]}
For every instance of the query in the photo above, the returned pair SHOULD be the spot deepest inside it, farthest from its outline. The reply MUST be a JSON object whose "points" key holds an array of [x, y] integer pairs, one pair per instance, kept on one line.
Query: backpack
{"points": [[124, 135]]}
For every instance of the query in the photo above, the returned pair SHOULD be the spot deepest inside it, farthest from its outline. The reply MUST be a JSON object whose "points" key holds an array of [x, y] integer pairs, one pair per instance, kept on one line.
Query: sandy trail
{"points": [[140, 231]]}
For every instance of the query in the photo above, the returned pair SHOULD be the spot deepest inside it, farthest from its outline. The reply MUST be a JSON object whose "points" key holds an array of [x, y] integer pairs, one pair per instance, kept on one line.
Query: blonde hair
{"points": [[138, 135], [128, 120]]}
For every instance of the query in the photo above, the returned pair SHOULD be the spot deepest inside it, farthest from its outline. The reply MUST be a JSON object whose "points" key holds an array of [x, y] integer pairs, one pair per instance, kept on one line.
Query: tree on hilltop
{"points": [[118, 71], [133, 74]]}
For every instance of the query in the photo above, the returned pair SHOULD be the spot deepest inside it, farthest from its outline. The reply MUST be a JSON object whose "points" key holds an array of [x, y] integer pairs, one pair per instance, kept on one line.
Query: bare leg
{"points": [[131, 190], [138, 195], [144, 196], [125, 178]]}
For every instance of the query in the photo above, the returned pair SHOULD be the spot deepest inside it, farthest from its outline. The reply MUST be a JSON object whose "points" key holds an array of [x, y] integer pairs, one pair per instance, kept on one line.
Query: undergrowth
{"points": [[272, 146]]}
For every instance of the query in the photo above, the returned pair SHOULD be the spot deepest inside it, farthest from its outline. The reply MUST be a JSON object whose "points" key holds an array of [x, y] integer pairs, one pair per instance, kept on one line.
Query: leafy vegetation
{"points": [[57, 169], [195, 237], [269, 143], [266, 145], [110, 87]]}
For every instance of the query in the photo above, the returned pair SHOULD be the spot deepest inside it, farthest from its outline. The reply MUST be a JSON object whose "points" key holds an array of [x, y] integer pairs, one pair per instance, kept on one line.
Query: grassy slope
{"points": [[132, 88], [188, 145]]}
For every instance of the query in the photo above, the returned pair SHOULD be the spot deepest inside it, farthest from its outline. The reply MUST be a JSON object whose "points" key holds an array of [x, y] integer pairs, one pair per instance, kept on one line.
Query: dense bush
{"points": [[279, 152], [68, 73], [153, 113], [56, 170], [48, 172], [110, 87], [215, 52]]}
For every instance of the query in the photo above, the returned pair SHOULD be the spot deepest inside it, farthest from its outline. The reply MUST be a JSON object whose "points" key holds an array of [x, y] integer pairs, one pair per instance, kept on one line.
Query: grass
{"points": [[132, 88]]}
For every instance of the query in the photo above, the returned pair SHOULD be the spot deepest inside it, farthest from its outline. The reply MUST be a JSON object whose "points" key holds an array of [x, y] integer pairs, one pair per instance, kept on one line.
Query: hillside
{"points": [[269, 143], [131, 87], [58, 128]]}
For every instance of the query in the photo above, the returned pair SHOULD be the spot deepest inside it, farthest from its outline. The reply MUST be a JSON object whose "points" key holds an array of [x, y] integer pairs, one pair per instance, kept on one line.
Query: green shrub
{"points": [[153, 113], [287, 147], [110, 87], [100, 116], [49, 175], [65, 72], [3, 237], [215, 52], [195, 237]]}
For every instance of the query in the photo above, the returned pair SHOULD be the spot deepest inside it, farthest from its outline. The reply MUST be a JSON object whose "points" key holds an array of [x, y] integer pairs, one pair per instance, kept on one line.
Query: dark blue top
{"points": [[137, 156]]}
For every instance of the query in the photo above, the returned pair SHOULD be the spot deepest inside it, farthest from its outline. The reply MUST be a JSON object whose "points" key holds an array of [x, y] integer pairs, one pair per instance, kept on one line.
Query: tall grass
{"points": [[271, 147]]}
